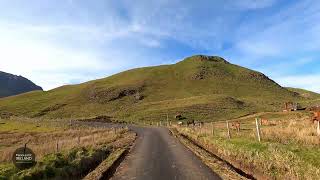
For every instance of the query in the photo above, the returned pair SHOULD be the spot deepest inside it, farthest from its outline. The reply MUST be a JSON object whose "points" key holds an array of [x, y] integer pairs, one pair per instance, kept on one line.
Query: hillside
{"points": [[305, 93], [199, 87], [12, 85]]}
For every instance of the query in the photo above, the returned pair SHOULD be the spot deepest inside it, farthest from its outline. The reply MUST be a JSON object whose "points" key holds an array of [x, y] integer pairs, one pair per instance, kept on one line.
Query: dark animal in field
{"points": [[191, 122], [178, 116], [236, 125], [315, 117]]}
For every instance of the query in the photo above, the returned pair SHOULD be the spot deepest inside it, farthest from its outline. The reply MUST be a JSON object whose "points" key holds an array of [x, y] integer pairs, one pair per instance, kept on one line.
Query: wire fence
{"points": [[298, 130]]}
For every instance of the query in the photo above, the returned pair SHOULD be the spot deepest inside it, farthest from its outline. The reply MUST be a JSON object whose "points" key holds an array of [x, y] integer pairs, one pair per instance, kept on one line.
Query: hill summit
{"points": [[12, 85], [199, 87], [208, 58]]}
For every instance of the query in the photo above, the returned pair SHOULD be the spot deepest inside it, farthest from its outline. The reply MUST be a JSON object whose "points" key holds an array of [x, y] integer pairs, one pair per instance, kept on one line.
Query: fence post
{"points": [[57, 147], [318, 128], [229, 134], [25, 147], [212, 130], [258, 130]]}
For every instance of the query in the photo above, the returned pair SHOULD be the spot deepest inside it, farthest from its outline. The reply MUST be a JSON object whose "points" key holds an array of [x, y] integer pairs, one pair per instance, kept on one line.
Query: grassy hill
{"points": [[305, 93], [199, 87]]}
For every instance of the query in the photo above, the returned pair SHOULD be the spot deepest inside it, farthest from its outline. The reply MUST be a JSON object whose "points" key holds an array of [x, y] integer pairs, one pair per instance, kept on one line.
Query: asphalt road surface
{"points": [[157, 155]]}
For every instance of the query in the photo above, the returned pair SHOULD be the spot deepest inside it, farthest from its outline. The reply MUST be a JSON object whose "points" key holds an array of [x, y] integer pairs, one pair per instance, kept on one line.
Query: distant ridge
{"points": [[13, 85]]}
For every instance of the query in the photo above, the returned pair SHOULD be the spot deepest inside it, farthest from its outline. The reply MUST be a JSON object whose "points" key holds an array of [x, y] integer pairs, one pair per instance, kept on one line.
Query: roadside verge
{"points": [[225, 169]]}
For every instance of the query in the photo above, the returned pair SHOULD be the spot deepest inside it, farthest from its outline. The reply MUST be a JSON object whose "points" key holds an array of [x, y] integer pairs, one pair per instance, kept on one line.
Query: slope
{"points": [[305, 93], [199, 87]]}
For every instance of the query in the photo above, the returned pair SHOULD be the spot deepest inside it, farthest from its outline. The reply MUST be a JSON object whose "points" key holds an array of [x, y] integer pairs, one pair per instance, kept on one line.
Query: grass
{"points": [[289, 147], [23, 126], [80, 148], [98, 173], [206, 88], [305, 93], [66, 138]]}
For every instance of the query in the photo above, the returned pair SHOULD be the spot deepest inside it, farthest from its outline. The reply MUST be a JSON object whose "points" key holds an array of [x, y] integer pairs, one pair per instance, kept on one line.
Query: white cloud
{"points": [[309, 82], [46, 63], [107, 36]]}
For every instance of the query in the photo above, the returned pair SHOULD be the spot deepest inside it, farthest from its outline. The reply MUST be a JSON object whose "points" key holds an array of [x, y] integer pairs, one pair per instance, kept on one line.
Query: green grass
{"points": [[274, 159], [73, 163], [24, 126], [305, 93], [105, 165], [206, 88]]}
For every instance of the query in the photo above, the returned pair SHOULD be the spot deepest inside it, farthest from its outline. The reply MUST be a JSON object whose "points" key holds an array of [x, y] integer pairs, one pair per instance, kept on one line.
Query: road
{"points": [[156, 155]]}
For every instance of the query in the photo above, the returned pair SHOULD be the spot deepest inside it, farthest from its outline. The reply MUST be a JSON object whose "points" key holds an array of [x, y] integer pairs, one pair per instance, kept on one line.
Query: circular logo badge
{"points": [[24, 158]]}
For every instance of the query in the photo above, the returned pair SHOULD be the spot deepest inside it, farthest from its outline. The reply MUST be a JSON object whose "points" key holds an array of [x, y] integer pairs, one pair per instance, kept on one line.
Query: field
{"points": [[62, 150], [289, 147]]}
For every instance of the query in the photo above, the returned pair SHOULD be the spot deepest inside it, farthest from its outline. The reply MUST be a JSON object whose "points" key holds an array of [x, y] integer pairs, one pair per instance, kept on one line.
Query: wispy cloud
{"points": [[76, 40]]}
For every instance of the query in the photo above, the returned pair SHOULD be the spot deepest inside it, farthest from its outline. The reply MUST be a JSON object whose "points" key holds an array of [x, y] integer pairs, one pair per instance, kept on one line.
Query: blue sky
{"points": [[71, 41]]}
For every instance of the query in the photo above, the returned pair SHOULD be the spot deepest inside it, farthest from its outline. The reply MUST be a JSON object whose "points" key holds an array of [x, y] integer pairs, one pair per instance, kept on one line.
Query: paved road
{"points": [[157, 155]]}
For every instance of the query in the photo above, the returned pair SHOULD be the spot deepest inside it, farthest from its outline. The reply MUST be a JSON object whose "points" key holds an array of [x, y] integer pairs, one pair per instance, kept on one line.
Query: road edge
{"points": [[108, 167], [204, 154]]}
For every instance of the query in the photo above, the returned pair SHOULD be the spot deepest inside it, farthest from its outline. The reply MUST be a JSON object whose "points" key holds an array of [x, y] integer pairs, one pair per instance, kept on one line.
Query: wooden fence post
{"points": [[229, 134], [25, 147], [212, 130], [318, 128], [57, 147], [258, 130]]}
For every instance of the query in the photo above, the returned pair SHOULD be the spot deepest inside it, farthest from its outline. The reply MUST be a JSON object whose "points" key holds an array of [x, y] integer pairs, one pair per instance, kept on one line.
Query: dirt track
{"points": [[158, 155]]}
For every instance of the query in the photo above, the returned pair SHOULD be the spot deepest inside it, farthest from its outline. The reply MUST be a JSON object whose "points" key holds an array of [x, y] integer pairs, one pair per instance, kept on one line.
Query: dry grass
{"points": [[298, 131], [294, 127], [46, 143], [274, 160], [43, 136], [289, 147]]}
